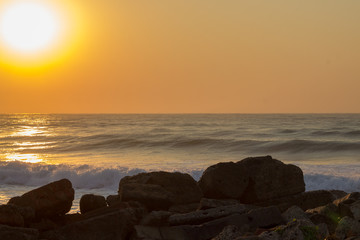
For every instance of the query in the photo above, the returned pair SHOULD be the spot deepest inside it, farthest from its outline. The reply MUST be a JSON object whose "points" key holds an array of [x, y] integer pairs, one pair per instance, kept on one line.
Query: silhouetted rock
{"points": [[207, 203], [160, 190], [11, 216], [90, 202], [270, 178], [17, 233], [224, 180], [112, 199], [50, 200], [114, 225]]}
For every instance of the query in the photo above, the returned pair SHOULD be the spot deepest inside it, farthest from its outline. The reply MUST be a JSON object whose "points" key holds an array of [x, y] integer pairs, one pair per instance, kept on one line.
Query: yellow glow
{"points": [[55, 39], [29, 131], [28, 158], [29, 27]]}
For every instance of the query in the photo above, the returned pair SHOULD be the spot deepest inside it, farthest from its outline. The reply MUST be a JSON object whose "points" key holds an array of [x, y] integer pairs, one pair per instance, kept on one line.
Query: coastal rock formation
{"points": [[270, 178], [160, 190], [226, 180], [90, 202], [184, 214], [52, 199]]}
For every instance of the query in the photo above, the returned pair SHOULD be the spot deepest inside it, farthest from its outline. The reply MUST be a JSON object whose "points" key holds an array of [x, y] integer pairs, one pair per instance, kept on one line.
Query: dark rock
{"points": [[17, 233], [114, 225], [184, 208], [160, 190], [305, 200], [224, 180], [207, 203], [270, 178], [50, 200], [327, 214], [90, 202], [348, 198], [297, 230], [11, 216], [202, 216], [156, 218], [231, 232], [265, 217], [112, 199]]}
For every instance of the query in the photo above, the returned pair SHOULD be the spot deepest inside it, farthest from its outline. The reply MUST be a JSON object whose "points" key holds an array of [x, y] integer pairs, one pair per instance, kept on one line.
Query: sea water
{"points": [[95, 151]]}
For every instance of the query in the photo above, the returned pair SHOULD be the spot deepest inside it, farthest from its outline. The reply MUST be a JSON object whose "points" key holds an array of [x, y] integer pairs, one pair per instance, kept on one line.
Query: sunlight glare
{"points": [[29, 26]]}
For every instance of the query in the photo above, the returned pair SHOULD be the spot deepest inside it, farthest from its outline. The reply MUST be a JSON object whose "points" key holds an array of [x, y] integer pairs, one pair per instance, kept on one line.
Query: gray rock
{"points": [[347, 227], [51, 200], [160, 190], [90, 202], [270, 178], [17, 233], [224, 180], [296, 213]]}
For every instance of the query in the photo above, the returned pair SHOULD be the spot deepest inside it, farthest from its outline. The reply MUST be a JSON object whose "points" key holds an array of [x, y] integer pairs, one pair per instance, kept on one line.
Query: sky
{"points": [[187, 56]]}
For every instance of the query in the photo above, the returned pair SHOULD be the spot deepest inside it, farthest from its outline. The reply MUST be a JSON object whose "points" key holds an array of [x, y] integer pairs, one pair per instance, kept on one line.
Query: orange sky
{"points": [[189, 56]]}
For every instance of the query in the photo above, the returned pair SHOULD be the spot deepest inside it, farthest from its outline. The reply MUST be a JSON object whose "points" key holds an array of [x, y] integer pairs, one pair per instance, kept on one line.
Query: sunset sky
{"points": [[206, 56]]}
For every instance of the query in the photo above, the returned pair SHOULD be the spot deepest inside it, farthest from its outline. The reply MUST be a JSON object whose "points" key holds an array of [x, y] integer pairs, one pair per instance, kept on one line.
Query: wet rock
{"points": [[224, 180], [90, 202], [160, 190], [207, 203], [17, 233], [11, 216], [270, 178], [50, 200]]}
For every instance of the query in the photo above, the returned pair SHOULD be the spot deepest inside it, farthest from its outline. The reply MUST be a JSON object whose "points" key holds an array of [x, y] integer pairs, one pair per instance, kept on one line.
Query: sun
{"points": [[29, 27]]}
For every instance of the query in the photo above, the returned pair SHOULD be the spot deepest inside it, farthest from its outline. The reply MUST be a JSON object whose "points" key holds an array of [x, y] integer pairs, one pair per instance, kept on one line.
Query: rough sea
{"points": [[96, 151]]}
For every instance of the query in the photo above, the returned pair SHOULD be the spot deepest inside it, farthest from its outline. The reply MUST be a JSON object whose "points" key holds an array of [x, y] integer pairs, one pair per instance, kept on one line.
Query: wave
{"points": [[340, 177]]}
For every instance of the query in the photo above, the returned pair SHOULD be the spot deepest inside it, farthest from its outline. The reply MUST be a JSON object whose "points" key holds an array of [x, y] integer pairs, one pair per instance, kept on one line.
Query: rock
{"points": [[295, 213], [50, 200], [11, 216], [305, 200], [202, 216], [224, 180], [112, 199], [348, 199], [231, 232], [347, 227], [204, 231], [327, 214], [265, 217], [344, 204], [90, 202], [160, 190], [270, 178], [184, 208], [207, 203], [114, 225], [322, 230], [17, 233], [156, 218], [297, 230]]}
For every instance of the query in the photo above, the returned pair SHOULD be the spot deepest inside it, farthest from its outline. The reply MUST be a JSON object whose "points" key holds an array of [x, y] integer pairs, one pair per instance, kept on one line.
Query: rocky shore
{"points": [[255, 198]]}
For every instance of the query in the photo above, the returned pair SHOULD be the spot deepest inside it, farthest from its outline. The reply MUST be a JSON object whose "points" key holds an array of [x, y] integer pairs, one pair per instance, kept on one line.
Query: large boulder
{"points": [[226, 180], [270, 178], [90, 202], [160, 190], [53, 199]]}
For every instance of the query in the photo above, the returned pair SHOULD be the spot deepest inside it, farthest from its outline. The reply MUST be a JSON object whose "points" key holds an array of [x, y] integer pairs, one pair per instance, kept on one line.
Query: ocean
{"points": [[95, 151]]}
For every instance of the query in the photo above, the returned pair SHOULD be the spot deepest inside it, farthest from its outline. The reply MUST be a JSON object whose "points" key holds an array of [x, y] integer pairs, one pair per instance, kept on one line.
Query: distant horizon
{"points": [[189, 113]]}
